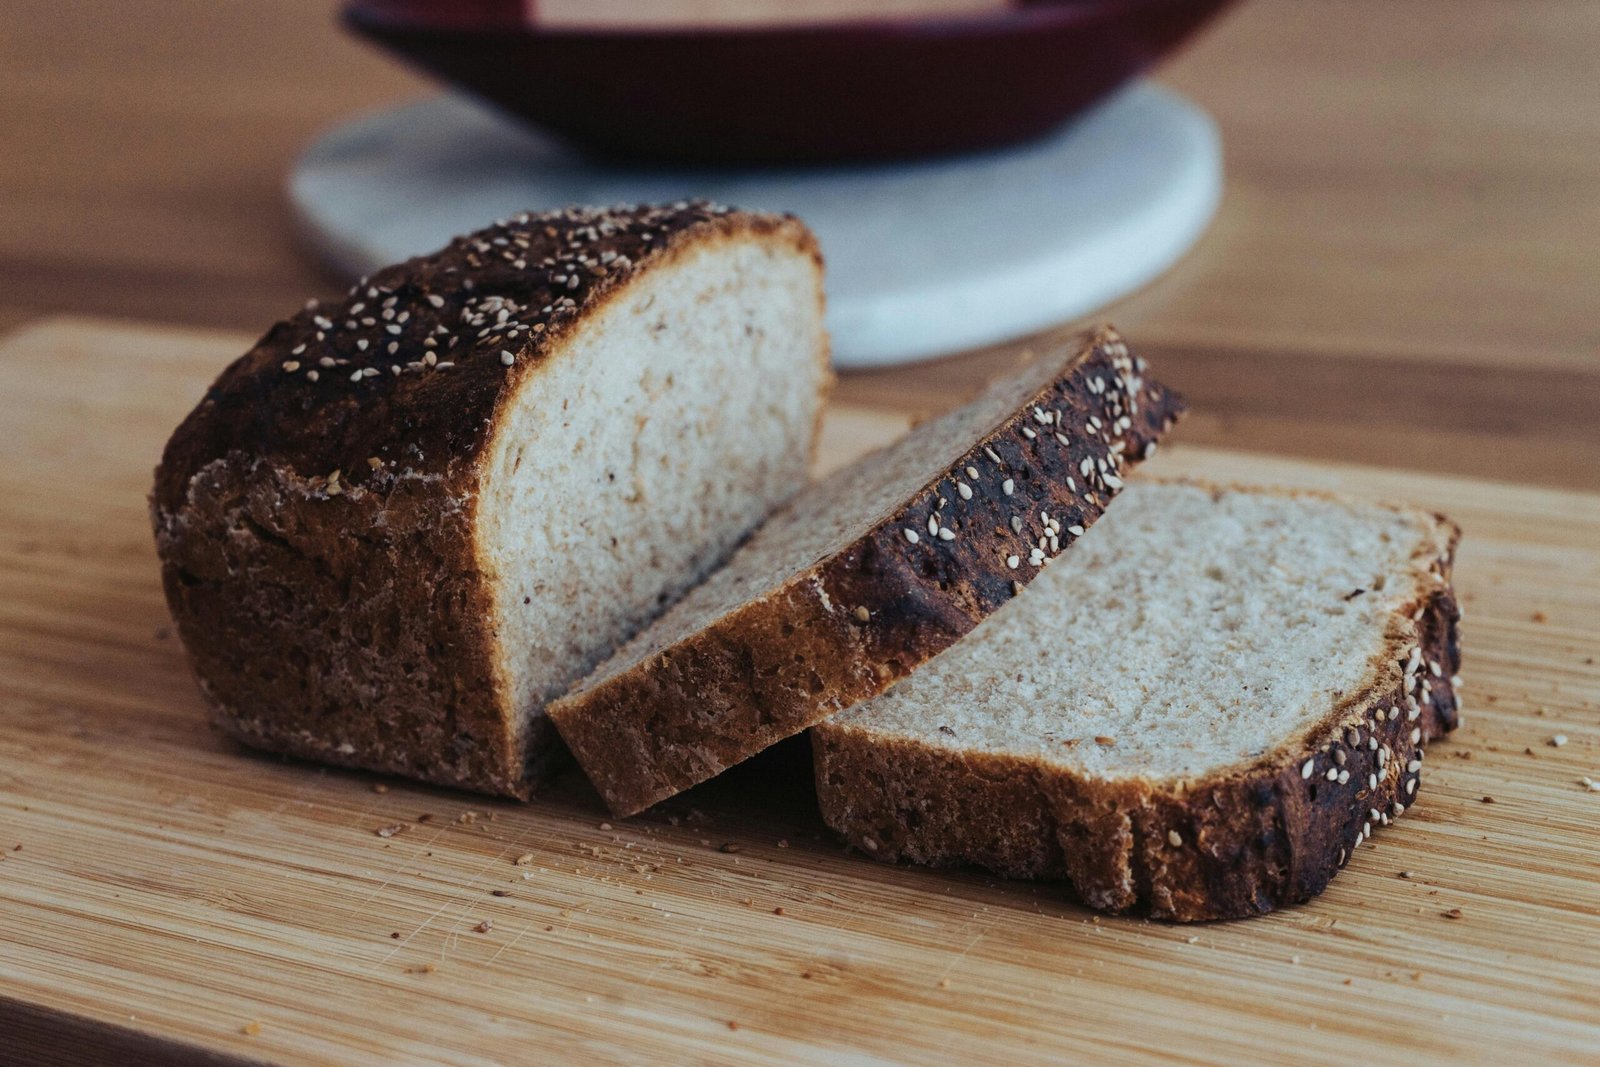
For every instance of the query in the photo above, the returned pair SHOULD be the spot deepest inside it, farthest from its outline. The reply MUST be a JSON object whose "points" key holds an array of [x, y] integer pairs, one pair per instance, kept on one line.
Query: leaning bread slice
{"points": [[405, 520], [867, 574], [1201, 715]]}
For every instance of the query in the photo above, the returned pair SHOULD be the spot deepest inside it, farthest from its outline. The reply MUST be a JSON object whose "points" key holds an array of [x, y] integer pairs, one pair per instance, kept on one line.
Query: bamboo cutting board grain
{"points": [[165, 894]]}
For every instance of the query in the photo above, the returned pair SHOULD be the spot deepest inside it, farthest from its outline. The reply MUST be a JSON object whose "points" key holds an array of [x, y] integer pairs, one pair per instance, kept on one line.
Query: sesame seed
{"points": [[1174, 838], [1416, 735], [933, 526], [946, 534], [291, 366], [1013, 562], [312, 375], [1558, 740], [911, 535], [972, 472], [1305, 771], [436, 300], [1333, 773], [991, 453], [964, 490], [1008, 487], [507, 358], [863, 615], [1411, 786], [1372, 781], [1344, 777], [1016, 524], [1414, 766], [1029, 434], [356, 377]]}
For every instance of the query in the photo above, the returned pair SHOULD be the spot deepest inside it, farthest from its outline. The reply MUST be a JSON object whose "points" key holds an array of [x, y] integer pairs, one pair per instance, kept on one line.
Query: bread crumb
{"points": [[1349, 981], [783, 842], [499, 892], [379, 787], [1453, 913], [732, 1025], [395, 934], [391, 830], [1102, 739], [1539, 616], [944, 983], [1589, 784], [778, 911], [484, 927], [250, 1029], [1191, 940], [1558, 740], [524, 860], [1407, 874], [729, 847], [1488, 800], [426, 968], [605, 826]]}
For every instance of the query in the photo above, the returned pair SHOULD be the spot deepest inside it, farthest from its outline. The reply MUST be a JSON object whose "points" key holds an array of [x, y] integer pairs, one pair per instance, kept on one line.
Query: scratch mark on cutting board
{"points": [[979, 936], [467, 886]]}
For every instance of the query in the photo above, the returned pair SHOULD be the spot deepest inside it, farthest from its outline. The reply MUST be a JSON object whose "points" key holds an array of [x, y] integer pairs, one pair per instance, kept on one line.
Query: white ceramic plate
{"points": [[924, 258]]}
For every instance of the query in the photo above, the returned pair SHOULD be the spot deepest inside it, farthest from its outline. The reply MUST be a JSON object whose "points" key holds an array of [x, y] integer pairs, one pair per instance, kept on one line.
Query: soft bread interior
{"points": [[634, 461], [830, 514], [1193, 629]]}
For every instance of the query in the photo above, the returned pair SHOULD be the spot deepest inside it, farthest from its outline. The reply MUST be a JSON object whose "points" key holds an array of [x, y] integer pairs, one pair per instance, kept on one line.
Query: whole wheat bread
{"points": [[867, 574], [403, 521], [1202, 715]]}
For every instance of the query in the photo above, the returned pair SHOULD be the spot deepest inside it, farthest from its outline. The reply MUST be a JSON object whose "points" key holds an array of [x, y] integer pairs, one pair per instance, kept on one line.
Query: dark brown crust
{"points": [[1251, 839], [348, 620], [782, 662]]}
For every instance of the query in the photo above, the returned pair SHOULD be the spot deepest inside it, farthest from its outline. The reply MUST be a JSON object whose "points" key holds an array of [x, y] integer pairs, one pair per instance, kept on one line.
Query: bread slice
{"points": [[867, 574], [1202, 715], [402, 522]]}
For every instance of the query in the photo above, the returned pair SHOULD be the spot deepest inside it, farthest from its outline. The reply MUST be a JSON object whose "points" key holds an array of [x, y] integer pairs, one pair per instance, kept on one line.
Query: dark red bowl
{"points": [[787, 94]]}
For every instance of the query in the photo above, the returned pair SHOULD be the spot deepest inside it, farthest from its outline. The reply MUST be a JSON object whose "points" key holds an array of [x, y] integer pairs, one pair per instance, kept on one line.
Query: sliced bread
{"points": [[867, 573], [405, 520], [1201, 715]]}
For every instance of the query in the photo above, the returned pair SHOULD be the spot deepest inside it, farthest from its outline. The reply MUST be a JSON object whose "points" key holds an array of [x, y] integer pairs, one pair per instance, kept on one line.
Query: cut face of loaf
{"points": [[400, 524], [867, 574], [1201, 715]]}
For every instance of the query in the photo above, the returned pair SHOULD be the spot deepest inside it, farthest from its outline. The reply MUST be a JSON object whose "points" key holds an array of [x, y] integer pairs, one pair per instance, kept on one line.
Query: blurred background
{"points": [[1404, 267]]}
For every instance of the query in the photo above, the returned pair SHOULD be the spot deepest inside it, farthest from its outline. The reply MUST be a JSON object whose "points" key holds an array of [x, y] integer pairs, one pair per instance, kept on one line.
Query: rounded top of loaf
{"points": [[409, 371]]}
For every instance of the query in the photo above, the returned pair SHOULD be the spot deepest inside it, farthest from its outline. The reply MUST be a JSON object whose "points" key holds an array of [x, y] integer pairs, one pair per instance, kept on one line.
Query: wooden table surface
{"points": [[1405, 271], [166, 896]]}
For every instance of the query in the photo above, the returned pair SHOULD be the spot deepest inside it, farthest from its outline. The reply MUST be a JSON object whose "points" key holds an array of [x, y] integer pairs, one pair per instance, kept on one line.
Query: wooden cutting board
{"points": [[164, 894]]}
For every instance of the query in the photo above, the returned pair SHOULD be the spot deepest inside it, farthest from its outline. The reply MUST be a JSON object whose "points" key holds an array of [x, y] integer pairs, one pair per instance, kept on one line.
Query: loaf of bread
{"points": [[401, 523], [867, 574], [1201, 716]]}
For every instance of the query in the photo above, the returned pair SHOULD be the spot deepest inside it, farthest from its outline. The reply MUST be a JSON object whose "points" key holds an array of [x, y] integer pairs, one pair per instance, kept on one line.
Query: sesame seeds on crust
{"points": [[1096, 438], [412, 361]]}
